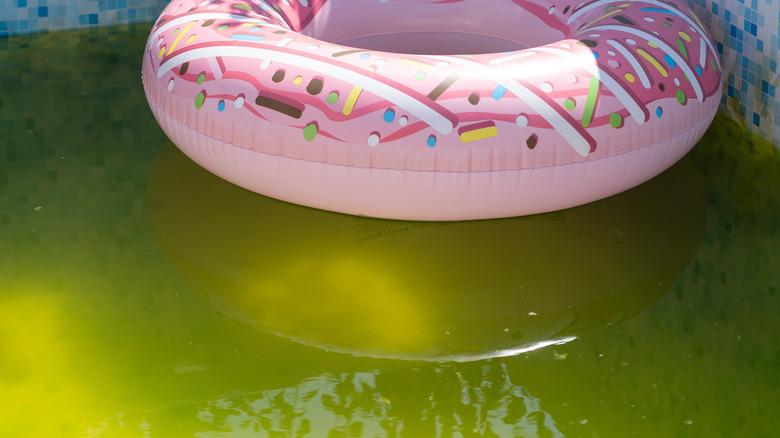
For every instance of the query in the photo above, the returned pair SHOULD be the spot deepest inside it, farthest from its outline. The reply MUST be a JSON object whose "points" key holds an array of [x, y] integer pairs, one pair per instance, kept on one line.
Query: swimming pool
{"points": [[139, 295]]}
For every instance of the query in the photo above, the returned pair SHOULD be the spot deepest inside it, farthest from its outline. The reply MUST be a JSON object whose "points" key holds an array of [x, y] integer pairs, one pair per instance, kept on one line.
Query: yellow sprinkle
{"points": [[684, 36], [191, 38], [652, 44], [247, 24], [181, 35], [479, 134], [654, 62], [630, 78], [349, 105], [161, 53], [414, 63], [607, 15], [297, 80]]}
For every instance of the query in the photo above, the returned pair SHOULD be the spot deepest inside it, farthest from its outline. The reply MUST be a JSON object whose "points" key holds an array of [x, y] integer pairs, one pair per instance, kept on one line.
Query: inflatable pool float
{"points": [[432, 110], [407, 290]]}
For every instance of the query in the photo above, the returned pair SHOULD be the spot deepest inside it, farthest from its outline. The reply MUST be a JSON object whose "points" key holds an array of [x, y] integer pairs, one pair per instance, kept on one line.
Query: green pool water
{"points": [[142, 296]]}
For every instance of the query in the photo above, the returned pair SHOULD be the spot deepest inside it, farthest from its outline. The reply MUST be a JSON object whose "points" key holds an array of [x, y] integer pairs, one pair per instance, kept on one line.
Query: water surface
{"points": [[142, 296]]}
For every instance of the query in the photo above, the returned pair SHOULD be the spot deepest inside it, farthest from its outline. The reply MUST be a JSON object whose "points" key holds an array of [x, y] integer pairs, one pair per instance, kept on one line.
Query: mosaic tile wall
{"points": [[747, 33], [748, 36], [24, 16]]}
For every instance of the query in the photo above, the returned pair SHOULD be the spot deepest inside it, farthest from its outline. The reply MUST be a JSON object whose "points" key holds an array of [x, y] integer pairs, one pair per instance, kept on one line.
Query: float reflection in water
{"points": [[420, 290], [481, 401]]}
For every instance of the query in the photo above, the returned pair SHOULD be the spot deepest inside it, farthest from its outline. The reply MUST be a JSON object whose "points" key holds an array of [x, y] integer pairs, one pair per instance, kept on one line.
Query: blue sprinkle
{"points": [[247, 37], [389, 116], [659, 112], [596, 55], [431, 142], [698, 70], [364, 56], [499, 92], [670, 61], [658, 10], [221, 105]]}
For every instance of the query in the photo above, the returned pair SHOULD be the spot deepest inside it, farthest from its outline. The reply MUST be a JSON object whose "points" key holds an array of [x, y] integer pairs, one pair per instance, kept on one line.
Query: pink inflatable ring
{"points": [[452, 109]]}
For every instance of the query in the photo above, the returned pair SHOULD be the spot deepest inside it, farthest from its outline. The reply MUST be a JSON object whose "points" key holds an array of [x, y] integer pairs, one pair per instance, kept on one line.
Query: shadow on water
{"points": [[442, 291]]}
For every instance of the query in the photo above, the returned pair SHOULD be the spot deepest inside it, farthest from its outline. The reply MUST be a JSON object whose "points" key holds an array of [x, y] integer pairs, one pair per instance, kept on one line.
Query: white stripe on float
{"points": [[268, 8], [562, 126], [215, 69], [643, 78], [702, 54], [505, 59], [667, 49], [658, 4], [408, 103], [633, 107]]}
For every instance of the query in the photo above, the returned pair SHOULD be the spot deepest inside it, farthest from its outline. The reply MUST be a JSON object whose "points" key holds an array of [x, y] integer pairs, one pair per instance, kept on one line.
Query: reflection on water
{"points": [[421, 290], [482, 400], [353, 403]]}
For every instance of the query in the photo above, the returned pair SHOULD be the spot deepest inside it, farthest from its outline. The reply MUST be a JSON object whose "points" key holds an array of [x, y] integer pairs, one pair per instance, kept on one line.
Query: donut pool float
{"points": [[432, 109]]}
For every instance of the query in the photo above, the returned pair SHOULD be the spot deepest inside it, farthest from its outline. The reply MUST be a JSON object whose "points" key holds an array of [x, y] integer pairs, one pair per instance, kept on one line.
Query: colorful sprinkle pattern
{"points": [[630, 64]]}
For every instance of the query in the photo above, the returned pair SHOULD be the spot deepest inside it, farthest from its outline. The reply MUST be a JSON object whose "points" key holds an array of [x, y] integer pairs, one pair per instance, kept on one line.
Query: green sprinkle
{"points": [[590, 103], [200, 99], [681, 97], [222, 27], [615, 120], [333, 98], [681, 46], [420, 75], [570, 104], [310, 131], [201, 78]]}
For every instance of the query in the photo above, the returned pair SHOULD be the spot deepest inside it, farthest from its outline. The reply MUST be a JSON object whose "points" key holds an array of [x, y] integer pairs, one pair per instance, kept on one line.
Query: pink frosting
{"points": [[578, 82]]}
